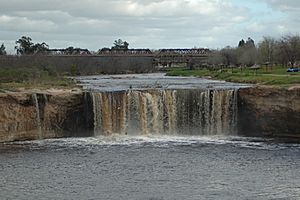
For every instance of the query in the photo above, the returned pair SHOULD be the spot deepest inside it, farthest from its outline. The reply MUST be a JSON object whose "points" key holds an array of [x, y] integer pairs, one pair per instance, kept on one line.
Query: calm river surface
{"points": [[150, 168], [151, 81]]}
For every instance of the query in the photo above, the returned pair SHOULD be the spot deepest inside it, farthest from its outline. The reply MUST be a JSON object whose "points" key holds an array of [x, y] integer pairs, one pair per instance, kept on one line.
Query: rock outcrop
{"points": [[38, 115], [269, 111]]}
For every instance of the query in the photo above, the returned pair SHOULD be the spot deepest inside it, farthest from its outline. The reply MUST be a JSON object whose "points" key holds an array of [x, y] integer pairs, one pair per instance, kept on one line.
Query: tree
{"points": [[279, 54], [266, 49], [69, 50], [103, 50], [126, 45], [215, 58], [250, 43], [76, 51], [241, 43], [40, 48], [24, 46], [229, 56], [2, 50], [247, 53], [248, 56], [290, 46], [120, 44]]}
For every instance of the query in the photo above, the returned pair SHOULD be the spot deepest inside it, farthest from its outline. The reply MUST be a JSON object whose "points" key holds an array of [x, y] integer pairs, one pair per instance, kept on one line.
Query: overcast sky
{"points": [[154, 24]]}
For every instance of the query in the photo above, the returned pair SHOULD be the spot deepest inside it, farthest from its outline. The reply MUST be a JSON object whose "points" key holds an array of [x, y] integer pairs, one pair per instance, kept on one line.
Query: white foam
{"points": [[158, 141]]}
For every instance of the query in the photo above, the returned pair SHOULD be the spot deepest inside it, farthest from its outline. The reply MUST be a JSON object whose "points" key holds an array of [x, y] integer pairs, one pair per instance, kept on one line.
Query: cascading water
{"points": [[40, 102], [38, 117], [188, 112]]}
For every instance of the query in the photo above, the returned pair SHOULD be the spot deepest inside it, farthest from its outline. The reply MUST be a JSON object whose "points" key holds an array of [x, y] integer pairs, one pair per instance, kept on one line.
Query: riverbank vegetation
{"points": [[28, 78], [276, 76]]}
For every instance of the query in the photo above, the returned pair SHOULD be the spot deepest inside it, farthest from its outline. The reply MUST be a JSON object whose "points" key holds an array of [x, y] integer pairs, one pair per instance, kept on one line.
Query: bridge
{"points": [[110, 61], [191, 57], [163, 57]]}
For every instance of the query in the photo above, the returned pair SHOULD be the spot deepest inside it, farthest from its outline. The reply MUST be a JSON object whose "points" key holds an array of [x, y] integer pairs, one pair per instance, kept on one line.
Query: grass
{"points": [[276, 76], [32, 78]]}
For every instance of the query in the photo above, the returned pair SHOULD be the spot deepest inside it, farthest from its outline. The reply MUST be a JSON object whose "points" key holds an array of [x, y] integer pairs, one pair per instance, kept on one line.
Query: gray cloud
{"points": [[290, 9], [285, 6], [94, 24]]}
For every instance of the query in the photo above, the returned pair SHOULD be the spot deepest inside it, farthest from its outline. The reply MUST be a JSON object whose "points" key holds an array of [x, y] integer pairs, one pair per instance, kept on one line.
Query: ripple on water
{"points": [[149, 167]]}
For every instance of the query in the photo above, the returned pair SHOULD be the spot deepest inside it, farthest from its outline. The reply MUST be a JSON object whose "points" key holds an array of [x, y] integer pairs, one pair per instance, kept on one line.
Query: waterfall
{"points": [[181, 112], [38, 116]]}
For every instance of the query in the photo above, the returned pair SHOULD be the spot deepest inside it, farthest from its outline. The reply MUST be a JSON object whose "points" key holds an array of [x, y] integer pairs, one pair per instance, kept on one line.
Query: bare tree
{"points": [[229, 56], [248, 57], [290, 46], [215, 58], [266, 49]]}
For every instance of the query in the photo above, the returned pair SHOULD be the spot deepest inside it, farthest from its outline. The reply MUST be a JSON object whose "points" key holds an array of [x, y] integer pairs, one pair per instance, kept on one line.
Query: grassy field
{"points": [[32, 78], [276, 76]]}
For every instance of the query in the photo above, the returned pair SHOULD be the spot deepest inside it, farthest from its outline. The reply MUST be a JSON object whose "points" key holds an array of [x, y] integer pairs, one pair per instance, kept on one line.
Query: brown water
{"points": [[165, 112], [143, 104]]}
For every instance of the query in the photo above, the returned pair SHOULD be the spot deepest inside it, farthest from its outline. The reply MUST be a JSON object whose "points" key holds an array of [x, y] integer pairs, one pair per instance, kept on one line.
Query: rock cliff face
{"points": [[32, 115], [267, 111], [39, 115]]}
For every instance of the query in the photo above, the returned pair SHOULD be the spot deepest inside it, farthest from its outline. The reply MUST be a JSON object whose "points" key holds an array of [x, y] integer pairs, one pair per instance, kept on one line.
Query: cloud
{"points": [[290, 9], [285, 6], [13, 23], [94, 24]]}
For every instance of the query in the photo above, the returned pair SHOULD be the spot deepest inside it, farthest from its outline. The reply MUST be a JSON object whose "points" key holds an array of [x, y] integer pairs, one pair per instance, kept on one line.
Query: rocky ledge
{"points": [[269, 111], [34, 114]]}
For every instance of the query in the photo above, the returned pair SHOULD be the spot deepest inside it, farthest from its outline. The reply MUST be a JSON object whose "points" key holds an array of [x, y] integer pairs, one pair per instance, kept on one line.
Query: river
{"points": [[155, 138], [150, 168]]}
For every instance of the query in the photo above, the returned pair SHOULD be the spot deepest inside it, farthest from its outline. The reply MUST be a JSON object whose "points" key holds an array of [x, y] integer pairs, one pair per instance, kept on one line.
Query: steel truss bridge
{"points": [[164, 57], [161, 57]]}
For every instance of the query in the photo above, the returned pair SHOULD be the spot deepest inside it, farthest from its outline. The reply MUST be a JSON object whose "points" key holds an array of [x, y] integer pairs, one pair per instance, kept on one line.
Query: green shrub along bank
{"points": [[32, 78], [275, 76]]}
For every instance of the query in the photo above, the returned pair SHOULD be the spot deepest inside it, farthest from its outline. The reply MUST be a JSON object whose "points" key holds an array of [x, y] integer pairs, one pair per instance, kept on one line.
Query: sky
{"points": [[153, 24]]}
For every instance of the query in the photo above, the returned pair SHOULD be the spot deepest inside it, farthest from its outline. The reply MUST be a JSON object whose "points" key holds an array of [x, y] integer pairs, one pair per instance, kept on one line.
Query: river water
{"points": [[155, 103], [151, 81], [156, 138], [150, 168]]}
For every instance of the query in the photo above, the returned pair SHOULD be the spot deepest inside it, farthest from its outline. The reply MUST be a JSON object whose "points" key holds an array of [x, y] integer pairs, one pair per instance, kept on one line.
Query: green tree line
{"points": [[284, 51]]}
